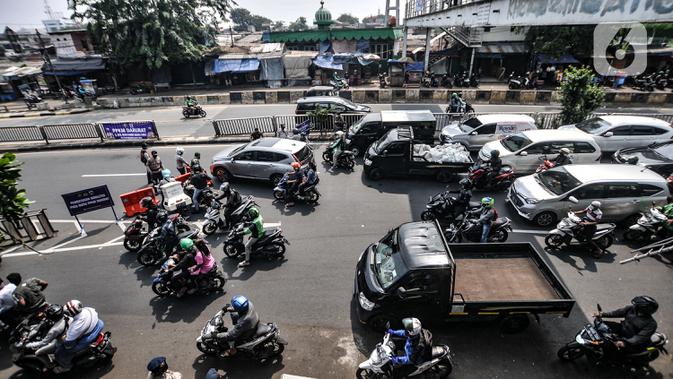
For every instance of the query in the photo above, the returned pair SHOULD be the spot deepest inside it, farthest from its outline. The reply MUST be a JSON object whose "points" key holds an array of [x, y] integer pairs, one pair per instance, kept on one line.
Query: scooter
{"points": [[264, 346], [566, 229], [215, 221], [309, 194], [382, 80], [162, 241], [436, 210], [193, 111], [649, 226], [271, 246], [379, 364], [163, 284], [346, 159], [470, 229], [596, 342], [478, 176]]}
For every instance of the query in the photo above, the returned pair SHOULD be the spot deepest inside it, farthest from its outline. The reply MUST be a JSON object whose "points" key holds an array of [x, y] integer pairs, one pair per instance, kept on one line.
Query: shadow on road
{"points": [[144, 273], [578, 257], [186, 309], [230, 267], [236, 368]]}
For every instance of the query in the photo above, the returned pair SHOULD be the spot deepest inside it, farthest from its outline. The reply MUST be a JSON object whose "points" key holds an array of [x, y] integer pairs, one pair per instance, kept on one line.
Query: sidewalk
{"points": [[48, 107]]}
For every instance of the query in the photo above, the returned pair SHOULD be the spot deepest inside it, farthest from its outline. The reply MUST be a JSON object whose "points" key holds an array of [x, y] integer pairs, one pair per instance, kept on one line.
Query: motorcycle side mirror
{"points": [[608, 134], [573, 200], [598, 306], [523, 153]]}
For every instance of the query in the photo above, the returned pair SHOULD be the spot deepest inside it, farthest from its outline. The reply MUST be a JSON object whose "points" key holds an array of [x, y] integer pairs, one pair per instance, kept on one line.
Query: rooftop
{"points": [[421, 245], [637, 120]]}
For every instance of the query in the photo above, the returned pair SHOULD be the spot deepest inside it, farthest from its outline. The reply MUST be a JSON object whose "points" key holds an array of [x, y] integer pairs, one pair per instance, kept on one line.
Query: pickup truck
{"points": [[412, 271], [395, 154]]}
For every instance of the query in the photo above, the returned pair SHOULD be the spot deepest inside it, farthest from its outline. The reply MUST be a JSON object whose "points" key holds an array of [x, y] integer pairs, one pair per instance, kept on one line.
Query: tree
{"points": [[298, 25], [560, 40], [347, 18], [242, 18], [278, 25], [13, 201], [579, 97], [152, 33]]}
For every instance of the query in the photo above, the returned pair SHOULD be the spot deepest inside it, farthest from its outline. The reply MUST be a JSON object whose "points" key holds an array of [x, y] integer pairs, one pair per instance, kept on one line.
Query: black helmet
{"points": [[144, 145], [645, 304], [495, 153], [146, 202], [54, 312], [197, 155], [225, 188], [465, 183]]}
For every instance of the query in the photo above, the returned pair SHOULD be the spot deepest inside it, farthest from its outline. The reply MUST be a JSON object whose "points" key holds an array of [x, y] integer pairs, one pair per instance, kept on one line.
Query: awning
{"points": [[327, 61], [63, 73], [416, 66], [19, 72], [502, 48], [82, 65], [563, 59], [235, 65], [368, 34], [297, 63]]}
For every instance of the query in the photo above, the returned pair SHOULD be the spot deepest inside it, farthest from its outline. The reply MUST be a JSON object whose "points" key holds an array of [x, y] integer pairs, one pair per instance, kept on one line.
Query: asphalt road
{"points": [[309, 294], [170, 122]]}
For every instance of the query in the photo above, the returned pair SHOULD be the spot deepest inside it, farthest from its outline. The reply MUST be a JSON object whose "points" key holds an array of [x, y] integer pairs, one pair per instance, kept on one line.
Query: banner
{"points": [[88, 200], [130, 130]]}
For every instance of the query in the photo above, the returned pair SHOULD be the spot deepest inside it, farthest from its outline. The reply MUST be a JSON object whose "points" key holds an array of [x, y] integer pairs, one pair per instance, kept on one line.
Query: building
{"points": [[72, 42]]}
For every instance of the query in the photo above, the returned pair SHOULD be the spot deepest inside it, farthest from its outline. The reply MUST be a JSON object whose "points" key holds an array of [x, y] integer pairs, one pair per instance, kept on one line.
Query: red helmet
{"points": [[296, 165]]}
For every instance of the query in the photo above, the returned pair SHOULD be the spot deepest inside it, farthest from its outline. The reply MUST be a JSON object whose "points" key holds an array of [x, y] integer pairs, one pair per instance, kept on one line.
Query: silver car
{"points": [[623, 190], [475, 132], [265, 159]]}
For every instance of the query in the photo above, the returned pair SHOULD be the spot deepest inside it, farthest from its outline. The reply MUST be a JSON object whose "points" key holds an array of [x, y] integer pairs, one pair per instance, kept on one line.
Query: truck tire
{"points": [[514, 324], [379, 322], [444, 177], [375, 174]]}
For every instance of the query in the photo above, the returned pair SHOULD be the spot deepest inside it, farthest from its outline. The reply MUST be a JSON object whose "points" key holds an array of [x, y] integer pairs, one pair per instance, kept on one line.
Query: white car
{"points": [[474, 132], [619, 132], [524, 151]]}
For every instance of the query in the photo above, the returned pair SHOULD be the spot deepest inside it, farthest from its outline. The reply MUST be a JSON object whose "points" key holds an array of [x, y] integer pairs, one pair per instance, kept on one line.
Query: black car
{"points": [[658, 157]]}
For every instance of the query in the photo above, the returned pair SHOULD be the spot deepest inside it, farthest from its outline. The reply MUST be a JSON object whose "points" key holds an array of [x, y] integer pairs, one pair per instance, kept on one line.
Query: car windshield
{"points": [[384, 141], [357, 126], [236, 150], [593, 125], [665, 150], [557, 181], [470, 125], [388, 265], [515, 142]]}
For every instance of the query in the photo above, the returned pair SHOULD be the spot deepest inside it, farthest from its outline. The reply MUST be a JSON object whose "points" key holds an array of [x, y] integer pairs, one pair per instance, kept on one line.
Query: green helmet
{"points": [[454, 95], [487, 202], [187, 244], [253, 212]]}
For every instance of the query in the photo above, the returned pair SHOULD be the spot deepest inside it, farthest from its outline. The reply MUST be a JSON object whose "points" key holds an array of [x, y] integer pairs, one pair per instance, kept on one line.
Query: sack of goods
{"points": [[453, 152]]}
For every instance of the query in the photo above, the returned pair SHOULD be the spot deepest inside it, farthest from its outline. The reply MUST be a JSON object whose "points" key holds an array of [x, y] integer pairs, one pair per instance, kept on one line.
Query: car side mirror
{"points": [[473, 133], [608, 134], [573, 200], [523, 153]]}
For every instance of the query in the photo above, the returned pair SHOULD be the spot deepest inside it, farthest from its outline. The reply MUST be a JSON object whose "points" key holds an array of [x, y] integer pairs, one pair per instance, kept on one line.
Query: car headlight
{"points": [[368, 162], [365, 303], [532, 201], [348, 141]]}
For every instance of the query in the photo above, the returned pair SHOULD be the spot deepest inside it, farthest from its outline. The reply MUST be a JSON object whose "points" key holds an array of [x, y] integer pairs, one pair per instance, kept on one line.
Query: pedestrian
{"points": [[158, 369], [195, 164], [154, 165], [256, 135], [282, 133], [7, 302], [199, 180], [214, 373], [144, 157], [180, 161]]}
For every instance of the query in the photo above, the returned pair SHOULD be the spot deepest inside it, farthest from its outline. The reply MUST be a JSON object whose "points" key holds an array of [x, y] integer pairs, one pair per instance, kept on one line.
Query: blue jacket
{"points": [[413, 349]]}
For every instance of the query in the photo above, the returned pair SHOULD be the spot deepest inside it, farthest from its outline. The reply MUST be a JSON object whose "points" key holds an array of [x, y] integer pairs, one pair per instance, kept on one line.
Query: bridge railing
{"points": [[417, 8]]}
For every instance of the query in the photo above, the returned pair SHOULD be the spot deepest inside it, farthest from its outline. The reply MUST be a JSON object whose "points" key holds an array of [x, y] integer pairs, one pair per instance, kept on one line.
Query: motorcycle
{"points": [[162, 241], [271, 246], [308, 194], [346, 159], [435, 209], [264, 346], [474, 80], [465, 108], [545, 165], [23, 327], [566, 230], [596, 342], [339, 84], [446, 81], [134, 234], [650, 225], [460, 81], [193, 111], [382, 80], [215, 221], [379, 364], [479, 177], [163, 284], [470, 229], [207, 194], [644, 83], [99, 353]]}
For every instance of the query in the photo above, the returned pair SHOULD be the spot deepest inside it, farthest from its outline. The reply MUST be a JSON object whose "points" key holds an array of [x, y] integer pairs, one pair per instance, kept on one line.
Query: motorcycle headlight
{"points": [[368, 162], [365, 303]]}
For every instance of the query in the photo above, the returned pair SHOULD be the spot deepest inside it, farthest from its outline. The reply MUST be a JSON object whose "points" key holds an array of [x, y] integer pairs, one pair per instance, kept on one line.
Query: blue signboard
{"points": [[88, 200], [130, 130]]}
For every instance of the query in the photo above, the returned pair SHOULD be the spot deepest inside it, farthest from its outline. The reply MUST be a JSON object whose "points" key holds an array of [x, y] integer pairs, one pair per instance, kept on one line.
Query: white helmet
{"points": [[595, 204], [412, 326], [339, 133], [179, 150], [565, 151], [72, 308]]}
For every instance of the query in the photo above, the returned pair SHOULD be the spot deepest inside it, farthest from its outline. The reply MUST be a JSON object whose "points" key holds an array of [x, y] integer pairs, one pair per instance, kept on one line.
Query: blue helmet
{"points": [[240, 303], [165, 173]]}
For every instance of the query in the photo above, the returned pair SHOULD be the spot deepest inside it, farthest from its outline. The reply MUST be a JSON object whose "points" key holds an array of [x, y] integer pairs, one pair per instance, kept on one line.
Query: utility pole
{"points": [[47, 60], [231, 34]]}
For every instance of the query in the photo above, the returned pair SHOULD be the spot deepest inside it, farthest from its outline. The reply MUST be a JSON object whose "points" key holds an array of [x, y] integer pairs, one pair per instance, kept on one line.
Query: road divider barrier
{"points": [[32, 226], [140, 130]]}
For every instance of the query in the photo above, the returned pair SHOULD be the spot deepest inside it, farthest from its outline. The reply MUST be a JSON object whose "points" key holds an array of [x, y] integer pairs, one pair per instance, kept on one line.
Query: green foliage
{"points": [[347, 18], [242, 18], [278, 25], [560, 40], [152, 33], [298, 25], [13, 201], [578, 96], [319, 113]]}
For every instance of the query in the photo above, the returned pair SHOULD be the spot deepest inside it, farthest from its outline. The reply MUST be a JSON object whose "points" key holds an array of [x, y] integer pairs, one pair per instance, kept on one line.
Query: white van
{"points": [[479, 130]]}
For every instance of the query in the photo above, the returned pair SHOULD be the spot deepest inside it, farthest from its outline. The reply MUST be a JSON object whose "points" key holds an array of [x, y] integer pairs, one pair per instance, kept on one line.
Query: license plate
{"points": [[286, 241]]}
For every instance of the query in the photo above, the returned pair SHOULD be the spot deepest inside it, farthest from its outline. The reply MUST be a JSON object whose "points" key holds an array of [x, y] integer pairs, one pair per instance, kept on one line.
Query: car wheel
{"points": [[275, 178], [222, 174], [375, 174], [545, 218]]}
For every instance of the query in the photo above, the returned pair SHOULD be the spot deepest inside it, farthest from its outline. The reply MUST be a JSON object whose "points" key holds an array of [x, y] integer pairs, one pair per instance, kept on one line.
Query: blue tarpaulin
{"points": [[563, 59], [327, 61], [325, 46], [235, 65], [416, 66], [362, 46]]}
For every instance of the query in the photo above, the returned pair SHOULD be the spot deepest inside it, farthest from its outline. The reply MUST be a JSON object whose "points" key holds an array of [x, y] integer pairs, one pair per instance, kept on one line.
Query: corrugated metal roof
{"points": [[503, 48], [335, 34]]}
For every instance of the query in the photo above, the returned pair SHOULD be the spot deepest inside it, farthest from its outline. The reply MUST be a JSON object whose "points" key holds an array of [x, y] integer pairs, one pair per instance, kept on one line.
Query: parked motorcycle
{"points": [[196, 110], [650, 225], [163, 284], [474, 80], [309, 194], [478, 176], [382, 80], [644, 83], [596, 342], [567, 228], [470, 229], [265, 346], [214, 219], [379, 364], [271, 246], [446, 81], [162, 241], [346, 159]]}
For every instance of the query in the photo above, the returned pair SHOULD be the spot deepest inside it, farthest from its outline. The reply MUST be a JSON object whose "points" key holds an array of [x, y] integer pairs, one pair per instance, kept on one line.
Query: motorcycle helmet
{"points": [[412, 326], [645, 304], [14, 278], [296, 165], [253, 212], [197, 155], [179, 150], [454, 95], [165, 173], [196, 167], [155, 153], [187, 244], [144, 146], [487, 202], [54, 312], [339, 133], [157, 366], [564, 151], [225, 188], [595, 205], [495, 153], [72, 308], [465, 183], [240, 303], [146, 202]]}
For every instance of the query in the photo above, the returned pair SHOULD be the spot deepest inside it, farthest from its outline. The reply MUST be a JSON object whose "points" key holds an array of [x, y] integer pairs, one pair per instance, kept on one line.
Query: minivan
{"points": [[479, 130], [623, 190], [333, 104], [373, 126]]}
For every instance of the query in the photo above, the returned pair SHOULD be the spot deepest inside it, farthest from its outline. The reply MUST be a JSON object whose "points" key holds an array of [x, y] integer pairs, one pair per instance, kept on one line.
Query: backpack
{"points": [[143, 156]]}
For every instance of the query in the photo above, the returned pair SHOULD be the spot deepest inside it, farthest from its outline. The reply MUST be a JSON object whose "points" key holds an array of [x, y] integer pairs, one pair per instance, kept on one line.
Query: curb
{"points": [[45, 113]]}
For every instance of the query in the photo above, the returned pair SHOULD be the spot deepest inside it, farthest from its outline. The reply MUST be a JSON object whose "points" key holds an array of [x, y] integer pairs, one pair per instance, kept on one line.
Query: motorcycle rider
{"points": [[309, 177], [494, 165], [151, 215], [462, 203], [667, 210], [256, 134], [456, 103], [191, 103], [416, 346], [591, 216], [563, 157], [256, 230], [7, 301], [180, 161], [29, 297], [193, 262], [244, 319], [337, 147], [487, 215], [232, 199], [84, 328], [195, 164], [55, 316], [199, 180], [144, 157], [638, 325], [294, 180], [158, 369]]}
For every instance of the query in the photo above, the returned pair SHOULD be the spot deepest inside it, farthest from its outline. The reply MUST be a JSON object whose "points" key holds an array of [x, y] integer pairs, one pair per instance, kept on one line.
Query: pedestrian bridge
{"points": [[471, 13]]}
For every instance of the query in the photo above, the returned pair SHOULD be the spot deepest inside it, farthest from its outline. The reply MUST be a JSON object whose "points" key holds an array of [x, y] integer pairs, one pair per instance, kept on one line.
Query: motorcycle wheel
{"points": [[209, 228], [231, 251], [362, 373], [605, 241], [427, 216], [202, 113], [131, 245], [205, 350], [160, 289], [217, 282], [145, 258], [349, 163], [312, 197], [570, 352], [185, 113], [634, 235], [270, 350], [278, 195], [276, 250], [500, 235], [554, 241], [326, 156], [356, 151], [443, 369]]}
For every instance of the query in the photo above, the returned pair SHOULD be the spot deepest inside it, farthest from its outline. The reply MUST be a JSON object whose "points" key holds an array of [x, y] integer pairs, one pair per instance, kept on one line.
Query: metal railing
{"points": [[269, 124], [72, 131], [20, 134], [61, 132], [417, 8], [32, 226]]}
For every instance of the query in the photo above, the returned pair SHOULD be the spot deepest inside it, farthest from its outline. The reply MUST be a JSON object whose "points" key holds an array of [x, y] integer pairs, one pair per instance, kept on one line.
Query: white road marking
{"points": [[64, 249], [531, 231], [287, 376], [111, 175]]}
